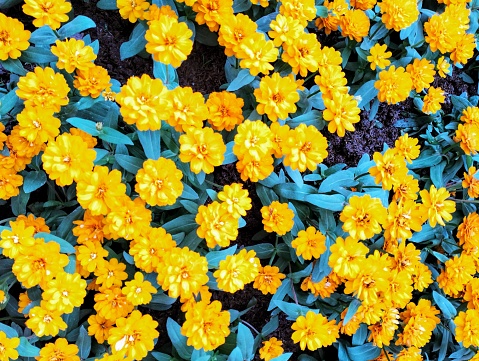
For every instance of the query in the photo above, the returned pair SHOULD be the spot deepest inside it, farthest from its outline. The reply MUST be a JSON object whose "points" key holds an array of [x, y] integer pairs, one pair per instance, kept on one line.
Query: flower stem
{"points": [[250, 326]]}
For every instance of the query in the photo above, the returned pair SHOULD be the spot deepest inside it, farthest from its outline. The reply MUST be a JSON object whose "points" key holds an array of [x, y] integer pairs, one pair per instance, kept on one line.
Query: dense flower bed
{"points": [[110, 210]]}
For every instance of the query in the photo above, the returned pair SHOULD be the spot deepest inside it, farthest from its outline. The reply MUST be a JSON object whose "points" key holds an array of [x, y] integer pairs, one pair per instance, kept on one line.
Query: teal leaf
{"points": [[322, 269], [9, 331], [244, 78], [185, 223], [66, 224], [85, 125], [177, 339], [426, 159], [284, 357], [214, 257], [353, 307], [245, 342], [240, 6], [295, 175], [189, 206], [8, 101], [37, 55], [84, 343], [189, 193], [293, 191], [230, 157], [65, 247], [367, 92], [150, 141], [266, 195], [13, 66], [100, 154], [77, 25], [293, 310], [322, 11], [445, 305], [160, 356], [364, 352], [34, 180], [19, 203], [270, 327], [107, 5], [26, 349], [235, 355], [334, 202], [136, 43], [263, 250], [114, 136], [341, 179], [129, 163], [204, 36], [460, 102], [360, 336], [167, 74], [281, 292]]}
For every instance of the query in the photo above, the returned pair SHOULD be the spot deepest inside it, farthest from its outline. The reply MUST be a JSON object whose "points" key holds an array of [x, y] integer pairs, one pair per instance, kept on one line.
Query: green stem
{"points": [[292, 286], [312, 94], [250, 326], [310, 76]]}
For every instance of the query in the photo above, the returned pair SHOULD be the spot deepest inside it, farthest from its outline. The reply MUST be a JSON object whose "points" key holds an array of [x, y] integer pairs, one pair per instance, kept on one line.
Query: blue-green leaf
{"points": [[322, 269], [37, 55], [236, 355], [364, 352], [136, 43], [177, 339], [460, 102], [321, 11], [150, 141], [293, 310], [341, 179], [270, 327], [107, 5], [185, 223], [293, 191], [353, 307], [281, 292], [167, 74], [284, 357], [9, 331], [34, 180], [245, 342], [214, 257], [244, 78], [43, 35], [114, 136], [426, 159], [129, 163], [13, 66], [445, 305], [77, 25], [85, 125], [230, 157], [334, 202], [266, 195], [84, 343], [240, 6], [189, 193], [8, 101], [367, 92], [26, 349], [65, 247], [263, 250], [160, 356]]}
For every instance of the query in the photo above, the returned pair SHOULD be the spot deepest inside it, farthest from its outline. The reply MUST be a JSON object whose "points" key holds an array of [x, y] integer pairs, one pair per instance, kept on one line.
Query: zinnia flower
{"points": [[132, 10], [394, 85], [237, 270], [44, 321], [236, 199], [278, 218], [8, 347], [309, 243], [212, 12], [379, 56], [389, 168], [341, 113], [314, 331], [234, 31], [437, 207], [47, 12], [398, 15], [188, 109], [73, 54], [60, 350], [302, 10], [138, 291], [347, 256], [13, 38], [271, 349], [268, 279], [302, 52], [65, 292], [354, 24], [92, 81], [422, 73], [256, 54], [225, 110], [217, 225], [467, 328], [433, 100]]}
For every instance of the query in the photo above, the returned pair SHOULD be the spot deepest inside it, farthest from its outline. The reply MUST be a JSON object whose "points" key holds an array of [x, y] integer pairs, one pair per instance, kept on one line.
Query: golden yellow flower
{"points": [[65, 292], [159, 182], [17, 240], [467, 328], [407, 147], [212, 12], [471, 294], [458, 272], [468, 231], [284, 28], [46, 12], [341, 112], [394, 85], [225, 110], [216, 225], [14, 38], [60, 350], [389, 168], [302, 10], [237, 270], [422, 73], [268, 279], [309, 243], [302, 53], [278, 218], [255, 170], [234, 30], [253, 141], [331, 80], [138, 291], [256, 54], [44, 321], [99, 327], [467, 135], [443, 67], [91, 255], [10, 183], [154, 12], [73, 54], [280, 137], [436, 206], [470, 115], [111, 304], [8, 347], [236, 199], [92, 81], [38, 124], [132, 10], [354, 24], [314, 331], [398, 15], [471, 183], [464, 49], [347, 256], [188, 109], [110, 273], [128, 219], [336, 9], [169, 41], [379, 57], [271, 349]]}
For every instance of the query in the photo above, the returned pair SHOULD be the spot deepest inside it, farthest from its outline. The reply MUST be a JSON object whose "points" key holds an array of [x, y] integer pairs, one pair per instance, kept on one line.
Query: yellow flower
{"points": [[336, 9], [14, 38], [188, 109], [182, 272], [43, 88], [302, 52], [363, 4], [253, 141], [354, 24], [128, 220], [23, 301], [284, 28], [403, 218], [280, 137], [379, 56], [256, 54], [169, 41], [407, 147], [133, 336], [278, 218], [389, 168], [225, 110], [67, 158], [471, 183], [398, 15], [38, 124], [271, 349], [44, 321], [302, 10], [305, 148], [237, 270], [91, 255], [470, 115], [443, 67], [65, 292], [47, 12], [89, 139], [143, 101], [468, 231], [409, 354], [341, 113], [331, 80], [10, 183], [138, 291], [154, 12], [255, 170], [234, 30], [111, 273], [314, 331], [468, 137], [60, 350], [206, 326], [8, 347], [347, 256], [383, 332], [464, 49], [212, 12], [17, 240], [203, 149], [92, 81], [73, 54], [159, 182], [394, 85], [216, 225], [309, 243], [363, 217], [457, 273], [471, 294], [276, 96], [467, 328], [422, 73], [406, 188], [111, 304], [132, 10], [268, 279], [149, 248], [99, 327], [437, 207], [236, 199]]}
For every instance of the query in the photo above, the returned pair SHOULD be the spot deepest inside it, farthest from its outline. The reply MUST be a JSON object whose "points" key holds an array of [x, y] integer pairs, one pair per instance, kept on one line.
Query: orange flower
{"points": [[436, 206], [225, 110], [471, 183], [398, 15], [256, 54], [268, 279], [314, 331], [217, 225], [422, 73], [132, 10], [302, 52], [234, 31], [128, 219], [38, 124], [188, 109], [389, 168], [341, 113], [212, 12], [379, 56], [302, 10], [92, 81], [271, 349]]}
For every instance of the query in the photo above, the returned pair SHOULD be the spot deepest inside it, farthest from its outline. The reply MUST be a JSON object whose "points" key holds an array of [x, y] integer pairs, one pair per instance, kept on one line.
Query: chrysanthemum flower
{"points": [[110, 273], [407, 147], [234, 30], [443, 67], [216, 225], [336, 9], [464, 49], [212, 12], [284, 28], [420, 320], [10, 183], [60, 350], [111, 304], [471, 183], [138, 291], [470, 115], [468, 231], [169, 41], [155, 12], [341, 112], [67, 158], [406, 258], [422, 73], [278, 218], [158, 182], [188, 109], [305, 148], [91, 255], [17, 240], [409, 354], [92, 81], [406, 188], [182, 272], [271, 349], [133, 336], [132, 10], [467, 135], [302, 52], [467, 328], [324, 288], [302, 10], [23, 301], [471, 294], [14, 38], [444, 31], [237, 270], [253, 140], [398, 15], [255, 170], [309, 243], [236, 199], [44, 321], [379, 57], [149, 248], [268, 279], [43, 88], [394, 85], [38, 124], [331, 80], [437, 207], [73, 54], [399, 291], [353, 324], [354, 24], [389, 168], [89, 139], [347, 256], [90, 228], [46, 12], [38, 223], [383, 332], [206, 326], [363, 4], [314, 331], [225, 110], [458, 271], [276, 96], [143, 101], [128, 219], [65, 292], [363, 216], [99, 327], [280, 137], [256, 54], [8, 347]]}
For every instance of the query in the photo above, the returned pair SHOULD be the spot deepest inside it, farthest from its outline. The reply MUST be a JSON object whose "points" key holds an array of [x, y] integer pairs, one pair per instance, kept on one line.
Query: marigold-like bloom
{"points": [[422, 73], [280, 136], [347, 256], [89, 139], [278, 218], [10, 183], [216, 225], [154, 12], [470, 115], [379, 57], [111, 304], [237, 270], [38, 223], [8, 347], [398, 15], [132, 10], [394, 85], [44, 321], [188, 109], [331, 80], [305, 148], [43, 88], [383, 332], [468, 137], [206, 326], [443, 67], [138, 291], [47, 12], [276, 96], [464, 49], [458, 272], [99, 327], [65, 292], [409, 354], [271, 349], [433, 100], [225, 110], [159, 182], [149, 248], [169, 41], [256, 54], [14, 38], [91, 255], [73, 54], [407, 147], [467, 328], [268, 279], [143, 101], [468, 231], [92, 81], [341, 113], [133, 336], [437, 207], [301, 53], [203, 149], [284, 28], [302, 10], [60, 350], [38, 124], [111, 273], [234, 31], [354, 24], [212, 12], [471, 183], [309, 243], [406, 258], [325, 288], [314, 331], [17, 240], [389, 169], [336, 9], [363, 4], [66, 158], [182, 273], [236, 199], [406, 188], [471, 294], [128, 219], [255, 170], [253, 140], [363, 216]]}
